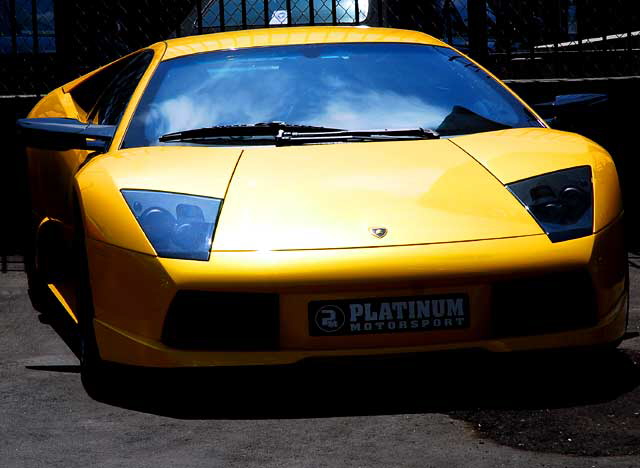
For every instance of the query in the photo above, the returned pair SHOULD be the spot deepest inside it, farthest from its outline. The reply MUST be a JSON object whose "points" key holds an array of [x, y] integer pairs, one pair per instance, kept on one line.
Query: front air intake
{"points": [[214, 321], [544, 304]]}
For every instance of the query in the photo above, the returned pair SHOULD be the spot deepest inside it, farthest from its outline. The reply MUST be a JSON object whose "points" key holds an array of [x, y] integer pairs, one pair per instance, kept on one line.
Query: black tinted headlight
{"points": [[561, 202], [177, 226]]}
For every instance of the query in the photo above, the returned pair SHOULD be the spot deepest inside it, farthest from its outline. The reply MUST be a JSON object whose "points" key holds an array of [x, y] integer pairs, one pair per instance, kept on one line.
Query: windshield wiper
{"points": [[303, 138], [284, 134], [250, 133]]}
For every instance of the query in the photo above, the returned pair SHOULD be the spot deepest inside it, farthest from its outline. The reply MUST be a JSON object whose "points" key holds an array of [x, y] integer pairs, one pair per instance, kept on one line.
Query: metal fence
{"points": [[44, 43]]}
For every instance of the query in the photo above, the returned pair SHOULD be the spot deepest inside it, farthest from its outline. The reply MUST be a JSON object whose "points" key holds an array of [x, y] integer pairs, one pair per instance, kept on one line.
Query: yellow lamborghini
{"points": [[269, 196]]}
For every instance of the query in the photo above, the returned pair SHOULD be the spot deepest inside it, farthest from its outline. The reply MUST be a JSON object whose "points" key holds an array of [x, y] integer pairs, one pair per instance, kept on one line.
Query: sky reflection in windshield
{"points": [[350, 86]]}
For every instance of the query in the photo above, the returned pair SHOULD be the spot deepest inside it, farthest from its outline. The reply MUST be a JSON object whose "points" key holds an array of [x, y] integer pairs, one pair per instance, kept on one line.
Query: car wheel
{"points": [[39, 293]]}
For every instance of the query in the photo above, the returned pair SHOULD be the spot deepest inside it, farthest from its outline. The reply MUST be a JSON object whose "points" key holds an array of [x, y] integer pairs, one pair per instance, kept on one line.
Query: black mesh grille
{"points": [[222, 321], [551, 303]]}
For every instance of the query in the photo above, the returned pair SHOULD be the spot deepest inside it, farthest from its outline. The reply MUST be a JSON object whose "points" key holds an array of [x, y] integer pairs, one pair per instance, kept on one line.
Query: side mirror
{"points": [[568, 110], [60, 134]]}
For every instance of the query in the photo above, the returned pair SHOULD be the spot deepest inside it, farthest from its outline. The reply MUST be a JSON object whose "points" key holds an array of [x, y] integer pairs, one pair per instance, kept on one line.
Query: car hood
{"points": [[519, 153], [333, 196]]}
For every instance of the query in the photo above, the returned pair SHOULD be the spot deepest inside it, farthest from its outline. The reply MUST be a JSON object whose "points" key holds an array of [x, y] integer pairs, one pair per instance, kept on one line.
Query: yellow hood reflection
{"points": [[331, 196]]}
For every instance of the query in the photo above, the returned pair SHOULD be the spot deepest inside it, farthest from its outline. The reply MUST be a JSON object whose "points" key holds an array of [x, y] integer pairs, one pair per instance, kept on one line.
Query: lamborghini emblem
{"points": [[379, 232]]}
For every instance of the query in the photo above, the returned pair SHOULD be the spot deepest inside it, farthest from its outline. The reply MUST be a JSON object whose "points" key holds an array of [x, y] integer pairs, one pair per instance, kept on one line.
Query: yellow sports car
{"points": [[268, 196]]}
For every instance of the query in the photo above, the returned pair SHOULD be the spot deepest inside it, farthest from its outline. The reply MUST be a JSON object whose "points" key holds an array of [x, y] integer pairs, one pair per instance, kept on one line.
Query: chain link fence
{"points": [[541, 47]]}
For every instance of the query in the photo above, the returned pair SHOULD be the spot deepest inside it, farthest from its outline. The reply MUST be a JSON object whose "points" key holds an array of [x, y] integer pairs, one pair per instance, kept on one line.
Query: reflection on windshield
{"points": [[463, 120], [350, 86]]}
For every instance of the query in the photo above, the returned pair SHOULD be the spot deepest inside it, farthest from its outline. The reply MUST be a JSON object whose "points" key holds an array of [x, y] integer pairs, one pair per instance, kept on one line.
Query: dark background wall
{"points": [[544, 48]]}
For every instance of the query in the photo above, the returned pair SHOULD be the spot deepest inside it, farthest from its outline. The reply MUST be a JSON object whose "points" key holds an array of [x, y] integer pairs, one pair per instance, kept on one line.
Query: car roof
{"points": [[292, 36]]}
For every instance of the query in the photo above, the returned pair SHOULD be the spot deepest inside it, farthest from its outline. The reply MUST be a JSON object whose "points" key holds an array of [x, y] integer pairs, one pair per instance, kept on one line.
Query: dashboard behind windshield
{"points": [[346, 86]]}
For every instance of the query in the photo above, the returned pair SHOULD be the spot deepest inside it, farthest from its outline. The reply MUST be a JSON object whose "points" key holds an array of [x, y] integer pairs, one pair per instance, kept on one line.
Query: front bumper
{"points": [[129, 323]]}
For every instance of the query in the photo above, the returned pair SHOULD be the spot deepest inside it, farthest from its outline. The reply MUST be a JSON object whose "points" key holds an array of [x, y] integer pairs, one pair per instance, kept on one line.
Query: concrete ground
{"points": [[537, 411]]}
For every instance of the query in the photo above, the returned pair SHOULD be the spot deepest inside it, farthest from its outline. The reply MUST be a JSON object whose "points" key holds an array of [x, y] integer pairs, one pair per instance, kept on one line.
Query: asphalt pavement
{"points": [[440, 411]]}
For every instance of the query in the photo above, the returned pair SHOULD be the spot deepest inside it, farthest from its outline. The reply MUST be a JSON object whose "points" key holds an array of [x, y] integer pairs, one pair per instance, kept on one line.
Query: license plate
{"points": [[388, 315]]}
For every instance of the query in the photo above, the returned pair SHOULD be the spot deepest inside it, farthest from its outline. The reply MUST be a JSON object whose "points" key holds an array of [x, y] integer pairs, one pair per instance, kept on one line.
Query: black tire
{"points": [[39, 293]]}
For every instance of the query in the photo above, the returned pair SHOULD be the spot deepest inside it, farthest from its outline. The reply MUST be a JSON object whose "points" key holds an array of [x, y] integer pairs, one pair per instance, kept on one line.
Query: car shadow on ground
{"points": [[437, 383], [57, 318]]}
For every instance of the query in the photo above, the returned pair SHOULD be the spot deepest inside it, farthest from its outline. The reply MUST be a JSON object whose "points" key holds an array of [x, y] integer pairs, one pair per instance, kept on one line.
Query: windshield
{"points": [[345, 86]]}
